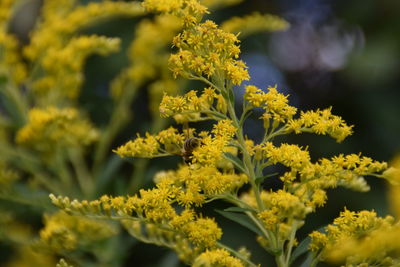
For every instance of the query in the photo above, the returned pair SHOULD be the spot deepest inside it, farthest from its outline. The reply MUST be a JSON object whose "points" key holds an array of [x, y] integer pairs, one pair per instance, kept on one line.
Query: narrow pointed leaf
{"points": [[238, 209], [236, 161], [240, 219]]}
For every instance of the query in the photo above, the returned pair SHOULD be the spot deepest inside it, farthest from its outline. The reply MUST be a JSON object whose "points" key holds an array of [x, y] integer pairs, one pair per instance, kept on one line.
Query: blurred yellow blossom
{"points": [[254, 23], [217, 258], [51, 127]]}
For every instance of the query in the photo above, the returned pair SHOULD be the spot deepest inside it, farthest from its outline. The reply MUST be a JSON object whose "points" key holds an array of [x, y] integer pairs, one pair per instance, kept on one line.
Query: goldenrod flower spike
{"points": [[254, 23], [52, 127]]}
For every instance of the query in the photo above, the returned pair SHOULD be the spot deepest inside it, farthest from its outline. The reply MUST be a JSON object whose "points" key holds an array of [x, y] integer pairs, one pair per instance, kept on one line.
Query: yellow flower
{"points": [[52, 127], [216, 258], [254, 23], [66, 232], [205, 50], [203, 232]]}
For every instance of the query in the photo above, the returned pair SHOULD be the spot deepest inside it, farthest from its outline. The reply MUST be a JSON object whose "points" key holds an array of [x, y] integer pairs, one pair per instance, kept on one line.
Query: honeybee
{"points": [[187, 150], [189, 145]]}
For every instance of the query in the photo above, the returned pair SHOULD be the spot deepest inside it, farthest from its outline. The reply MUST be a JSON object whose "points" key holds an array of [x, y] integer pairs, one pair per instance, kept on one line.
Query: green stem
{"points": [[120, 116], [83, 175], [29, 163], [280, 260], [18, 107], [291, 242], [237, 254], [60, 167], [246, 157]]}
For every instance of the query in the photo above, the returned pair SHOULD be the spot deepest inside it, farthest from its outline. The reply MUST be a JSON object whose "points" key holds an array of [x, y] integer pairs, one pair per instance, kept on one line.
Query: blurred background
{"points": [[339, 53]]}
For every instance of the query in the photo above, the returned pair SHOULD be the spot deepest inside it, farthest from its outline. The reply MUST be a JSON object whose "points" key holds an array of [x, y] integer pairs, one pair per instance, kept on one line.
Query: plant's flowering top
{"points": [[148, 55], [216, 258], [11, 64], [170, 142], [53, 127], [281, 209], [58, 55], [205, 50], [191, 11], [212, 147], [64, 66], [275, 104], [278, 110], [191, 234], [65, 232], [167, 141], [60, 21], [359, 239], [191, 107], [321, 122], [254, 23]]}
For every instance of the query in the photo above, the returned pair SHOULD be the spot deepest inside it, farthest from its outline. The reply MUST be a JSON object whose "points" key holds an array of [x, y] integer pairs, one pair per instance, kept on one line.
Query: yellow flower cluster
{"points": [[148, 56], [11, 64], [291, 156], [59, 55], [64, 20], [155, 208], [210, 152], [66, 232], [254, 23], [309, 180], [359, 239], [321, 122], [64, 66], [274, 103], [190, 107], [53, 127], [191, 11], [216, 258], [206, 51], [168, 141], [281, 208]]}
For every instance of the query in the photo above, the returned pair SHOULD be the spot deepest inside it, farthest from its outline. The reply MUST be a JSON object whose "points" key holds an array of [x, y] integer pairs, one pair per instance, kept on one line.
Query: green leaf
{"points": [[240, 219], [260, 179], [238, 209], [231, 97], [112, 165], [300, 249], [236, 161], [307, 262]]}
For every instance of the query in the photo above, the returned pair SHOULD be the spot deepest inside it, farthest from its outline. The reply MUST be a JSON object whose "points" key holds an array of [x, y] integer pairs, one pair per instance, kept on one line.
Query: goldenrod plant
{"points": [[51, 146], [223, 160]]}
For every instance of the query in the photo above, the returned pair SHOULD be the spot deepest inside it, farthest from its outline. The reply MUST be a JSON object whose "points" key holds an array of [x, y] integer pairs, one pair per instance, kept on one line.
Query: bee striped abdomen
{"points": [[188, 147]]}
